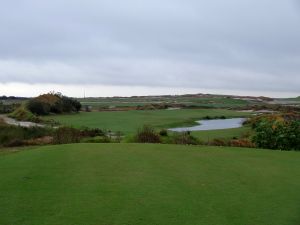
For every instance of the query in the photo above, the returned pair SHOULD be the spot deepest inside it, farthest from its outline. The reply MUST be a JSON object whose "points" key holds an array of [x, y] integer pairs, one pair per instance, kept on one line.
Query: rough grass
{"points": [[140, 184], [130, 121], [213, 102]]}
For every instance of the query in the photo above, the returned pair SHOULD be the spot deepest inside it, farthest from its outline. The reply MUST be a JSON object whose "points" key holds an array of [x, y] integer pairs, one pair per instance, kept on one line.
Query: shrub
{"points": [[39, 141], [218, 142], [38, 107], [102, 139], [242, 143], [9, 134], [278, 134], [22, 113], [91, 132], [163, 133], [64, 135], [14, 143], [53, 103], [185, 138], [147, 134]]}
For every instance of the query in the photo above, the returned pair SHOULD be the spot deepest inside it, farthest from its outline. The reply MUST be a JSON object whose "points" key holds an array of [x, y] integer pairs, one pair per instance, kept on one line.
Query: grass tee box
{"points": [[130, 121], [139, 184]]}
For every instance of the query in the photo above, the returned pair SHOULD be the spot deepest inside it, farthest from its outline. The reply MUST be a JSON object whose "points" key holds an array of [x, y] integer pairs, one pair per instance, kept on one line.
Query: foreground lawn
{"points": [[136, 184], [130, 121]]}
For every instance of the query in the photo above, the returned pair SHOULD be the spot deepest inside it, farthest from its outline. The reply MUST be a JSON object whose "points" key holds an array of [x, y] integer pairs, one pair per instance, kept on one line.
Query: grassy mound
{"points": [[117, 184], [23, 114]]}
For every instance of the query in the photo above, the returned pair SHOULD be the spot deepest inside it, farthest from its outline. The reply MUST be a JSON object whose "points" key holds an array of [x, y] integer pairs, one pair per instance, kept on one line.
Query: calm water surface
{"points": [[217, 124]]}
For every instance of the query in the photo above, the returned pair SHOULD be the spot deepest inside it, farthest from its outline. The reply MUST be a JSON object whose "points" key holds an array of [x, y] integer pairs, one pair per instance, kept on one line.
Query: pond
{"points": [[217, 124]]}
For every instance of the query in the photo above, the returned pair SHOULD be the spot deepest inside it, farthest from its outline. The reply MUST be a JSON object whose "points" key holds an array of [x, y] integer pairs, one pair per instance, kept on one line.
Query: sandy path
{"points": [[12, 121]]}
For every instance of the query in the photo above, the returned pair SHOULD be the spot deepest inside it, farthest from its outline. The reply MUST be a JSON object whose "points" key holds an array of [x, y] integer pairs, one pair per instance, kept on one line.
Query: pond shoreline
{"points": [[214, 124]]}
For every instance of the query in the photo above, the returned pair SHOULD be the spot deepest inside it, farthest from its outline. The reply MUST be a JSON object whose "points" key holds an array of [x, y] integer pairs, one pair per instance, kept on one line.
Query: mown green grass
{"points": [[130, 121], [135, 184], [209, 135]]}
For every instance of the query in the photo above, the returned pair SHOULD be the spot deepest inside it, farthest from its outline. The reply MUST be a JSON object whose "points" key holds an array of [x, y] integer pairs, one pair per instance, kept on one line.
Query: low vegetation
{"points": [[8, 108], [23, 114], [184, 138], [147, 134], [53, 103], [11, 136], [200, 101], [280, 131]]}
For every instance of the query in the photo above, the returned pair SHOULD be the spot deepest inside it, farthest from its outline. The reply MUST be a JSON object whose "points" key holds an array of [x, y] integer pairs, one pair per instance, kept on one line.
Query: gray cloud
{"points": [[242, 45]]}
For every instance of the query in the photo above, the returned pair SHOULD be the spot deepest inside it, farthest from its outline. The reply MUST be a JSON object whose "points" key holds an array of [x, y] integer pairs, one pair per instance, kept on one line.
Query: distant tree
{"points": [[53, 103], [38, 107]]}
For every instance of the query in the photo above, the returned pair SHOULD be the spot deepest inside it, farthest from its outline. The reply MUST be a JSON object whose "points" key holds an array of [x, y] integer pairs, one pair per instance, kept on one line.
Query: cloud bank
{"points": [[188, 45]]}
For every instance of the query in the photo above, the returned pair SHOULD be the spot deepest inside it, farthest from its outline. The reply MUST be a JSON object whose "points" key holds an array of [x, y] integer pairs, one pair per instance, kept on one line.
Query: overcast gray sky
{"points": [[117, 47]]}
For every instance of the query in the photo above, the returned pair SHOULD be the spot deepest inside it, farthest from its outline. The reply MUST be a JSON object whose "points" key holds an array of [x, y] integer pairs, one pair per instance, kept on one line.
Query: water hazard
{"points": [[217, 124]]}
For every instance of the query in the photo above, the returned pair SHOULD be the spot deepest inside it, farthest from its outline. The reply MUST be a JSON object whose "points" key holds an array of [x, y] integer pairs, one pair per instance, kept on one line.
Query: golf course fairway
{"points": [[149, 184]]}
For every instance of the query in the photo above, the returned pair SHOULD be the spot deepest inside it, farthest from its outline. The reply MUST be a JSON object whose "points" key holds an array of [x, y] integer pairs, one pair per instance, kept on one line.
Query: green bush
{"points": [[22, 113], [38, 107], [184, 138], [92, 132], [53, 103], [278, 134], [163, 133], [9, 135], [147, 134], [65, 135]]}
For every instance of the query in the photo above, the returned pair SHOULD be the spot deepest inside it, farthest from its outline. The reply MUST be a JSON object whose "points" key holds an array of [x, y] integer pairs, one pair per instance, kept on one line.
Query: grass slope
{"points": [[132, 184], [130, 121]]}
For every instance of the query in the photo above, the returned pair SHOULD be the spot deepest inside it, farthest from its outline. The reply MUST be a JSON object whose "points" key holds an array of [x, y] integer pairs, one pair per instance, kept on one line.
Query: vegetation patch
{"points": [[53, 103], [11, 136], [280, 131], [147, 134], [23, 114]]}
